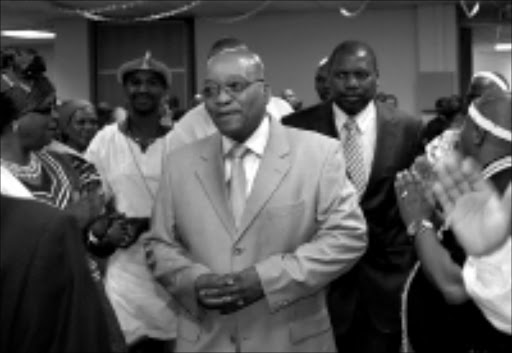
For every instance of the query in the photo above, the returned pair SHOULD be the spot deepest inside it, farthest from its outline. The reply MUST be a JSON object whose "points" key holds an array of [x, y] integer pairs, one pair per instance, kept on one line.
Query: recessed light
{"points": [[503, 46], [28, 34]]}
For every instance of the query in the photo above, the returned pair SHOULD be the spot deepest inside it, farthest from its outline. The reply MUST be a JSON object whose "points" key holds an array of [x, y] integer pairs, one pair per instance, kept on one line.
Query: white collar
{"points": [[363, 119], [256, 143]]}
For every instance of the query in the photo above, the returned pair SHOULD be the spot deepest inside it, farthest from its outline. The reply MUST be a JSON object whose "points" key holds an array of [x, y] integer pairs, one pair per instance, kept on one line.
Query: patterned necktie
{"points": [[238, 182], [354, 156]]}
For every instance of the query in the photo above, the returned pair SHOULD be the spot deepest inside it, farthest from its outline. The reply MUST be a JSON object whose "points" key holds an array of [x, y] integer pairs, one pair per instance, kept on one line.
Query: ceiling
{"points": [[21, 14], [41, 14]]}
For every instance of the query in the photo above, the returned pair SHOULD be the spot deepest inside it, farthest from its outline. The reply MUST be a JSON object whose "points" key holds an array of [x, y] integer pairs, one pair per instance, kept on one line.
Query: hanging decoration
{"points": [[245, 16], [470, 12], [97, 14], [347, 13]]}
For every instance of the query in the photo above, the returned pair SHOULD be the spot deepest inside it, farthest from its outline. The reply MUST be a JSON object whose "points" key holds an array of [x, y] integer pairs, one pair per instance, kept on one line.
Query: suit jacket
{"points": [[376, 282], [301, 228], [49, 302]]}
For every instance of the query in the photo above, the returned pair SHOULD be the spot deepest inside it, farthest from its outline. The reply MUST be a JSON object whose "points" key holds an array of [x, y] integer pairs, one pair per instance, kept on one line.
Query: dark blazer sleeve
{"points": [[64, 304]]}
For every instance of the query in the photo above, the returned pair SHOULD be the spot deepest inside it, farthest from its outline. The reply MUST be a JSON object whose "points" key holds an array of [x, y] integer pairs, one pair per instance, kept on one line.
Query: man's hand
{"points": [[212, 291], [231, 292], [246, 289], [410, 194], [479, 217]]}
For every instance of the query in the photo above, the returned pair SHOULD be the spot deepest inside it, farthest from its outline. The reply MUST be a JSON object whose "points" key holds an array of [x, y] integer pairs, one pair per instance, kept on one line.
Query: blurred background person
{"points": [[392, 100], [321, 84], [104, 113], [290, 96], [447, 110], [78, 123]]}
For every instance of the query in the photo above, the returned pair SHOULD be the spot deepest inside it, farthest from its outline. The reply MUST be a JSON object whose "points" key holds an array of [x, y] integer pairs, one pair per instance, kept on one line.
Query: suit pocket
{"points": [[188, 329], [309, 318]]}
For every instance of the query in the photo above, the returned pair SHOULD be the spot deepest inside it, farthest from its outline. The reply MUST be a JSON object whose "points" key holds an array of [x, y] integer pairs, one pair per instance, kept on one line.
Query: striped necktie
{"points": [[238, 182], [354, 156]]}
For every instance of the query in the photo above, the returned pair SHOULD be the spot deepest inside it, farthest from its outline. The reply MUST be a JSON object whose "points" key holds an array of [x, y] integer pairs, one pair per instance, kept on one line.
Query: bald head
{"points": [[226, 43], [240, 61]]}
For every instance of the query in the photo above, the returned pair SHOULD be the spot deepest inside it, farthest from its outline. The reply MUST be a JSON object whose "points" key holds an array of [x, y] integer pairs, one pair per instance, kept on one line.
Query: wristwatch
{"points": [[418, 225]]}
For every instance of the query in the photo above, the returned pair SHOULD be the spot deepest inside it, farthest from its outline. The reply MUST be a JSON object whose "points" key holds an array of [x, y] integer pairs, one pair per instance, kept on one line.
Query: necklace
{"points": [[30, 172], [139, 170]]}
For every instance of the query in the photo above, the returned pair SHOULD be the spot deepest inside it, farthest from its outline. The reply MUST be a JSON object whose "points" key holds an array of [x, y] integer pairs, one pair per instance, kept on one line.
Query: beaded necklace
{"points": [[30, 173]]}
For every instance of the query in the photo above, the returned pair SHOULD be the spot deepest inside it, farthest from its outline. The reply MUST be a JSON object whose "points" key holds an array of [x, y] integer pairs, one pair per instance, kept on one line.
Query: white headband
{"points": [[494, 78], [488, 125]]}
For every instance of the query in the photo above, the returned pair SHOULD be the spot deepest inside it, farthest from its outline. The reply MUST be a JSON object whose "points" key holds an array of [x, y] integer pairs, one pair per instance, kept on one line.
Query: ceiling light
{"points": [[29, 34], [503, 47]]}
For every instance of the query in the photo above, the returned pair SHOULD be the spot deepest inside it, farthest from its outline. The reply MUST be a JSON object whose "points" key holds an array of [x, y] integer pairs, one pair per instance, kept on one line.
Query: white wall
{"points": [[291, 45], [486, 60], [72, 59]]}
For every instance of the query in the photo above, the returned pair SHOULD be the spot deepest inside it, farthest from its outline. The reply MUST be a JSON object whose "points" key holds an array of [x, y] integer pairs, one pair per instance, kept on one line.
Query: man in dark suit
{"points": [[379, 141], [48, 299]]}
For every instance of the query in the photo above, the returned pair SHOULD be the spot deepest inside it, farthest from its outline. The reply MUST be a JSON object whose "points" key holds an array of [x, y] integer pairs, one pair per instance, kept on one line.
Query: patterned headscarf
{"points": [[23, 80]]}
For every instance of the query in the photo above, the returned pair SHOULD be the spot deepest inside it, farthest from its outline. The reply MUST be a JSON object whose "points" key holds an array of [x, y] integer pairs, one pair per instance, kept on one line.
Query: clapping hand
{"points": [[479, 217], [410, 194]]}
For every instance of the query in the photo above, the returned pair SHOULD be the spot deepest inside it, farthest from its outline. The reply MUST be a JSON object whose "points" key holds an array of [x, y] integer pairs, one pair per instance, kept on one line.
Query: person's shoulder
{"points": [[310, 139], [387, 110], [192, 116], [304, 115], [188, 151]]}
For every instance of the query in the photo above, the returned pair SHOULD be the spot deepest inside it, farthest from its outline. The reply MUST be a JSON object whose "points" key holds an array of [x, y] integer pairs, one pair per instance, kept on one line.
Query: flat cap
{"points": [[146, 63]]}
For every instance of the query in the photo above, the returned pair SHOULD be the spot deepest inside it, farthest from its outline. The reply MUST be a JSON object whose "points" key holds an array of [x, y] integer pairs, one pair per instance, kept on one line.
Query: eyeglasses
{"points": [[234, 88]]}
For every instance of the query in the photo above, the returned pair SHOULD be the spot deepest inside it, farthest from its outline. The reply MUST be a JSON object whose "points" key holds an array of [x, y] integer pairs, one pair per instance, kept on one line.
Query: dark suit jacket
{"points": [[375, 283], [49, 302]]}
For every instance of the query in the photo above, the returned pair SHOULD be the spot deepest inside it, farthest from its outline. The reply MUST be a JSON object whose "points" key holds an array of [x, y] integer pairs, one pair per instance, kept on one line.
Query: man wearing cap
{"points": [[128, 155], [484, 81], [439, 312], [197, 123]]}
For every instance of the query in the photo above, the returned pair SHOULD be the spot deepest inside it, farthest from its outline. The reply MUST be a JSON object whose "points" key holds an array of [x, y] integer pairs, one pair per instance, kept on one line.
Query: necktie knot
{"points": [[238, 151], [351, 125]]}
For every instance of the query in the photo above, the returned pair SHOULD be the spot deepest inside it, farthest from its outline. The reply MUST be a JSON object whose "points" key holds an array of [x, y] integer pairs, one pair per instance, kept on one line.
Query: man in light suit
{"points": [[365, 304], [250, 273]]}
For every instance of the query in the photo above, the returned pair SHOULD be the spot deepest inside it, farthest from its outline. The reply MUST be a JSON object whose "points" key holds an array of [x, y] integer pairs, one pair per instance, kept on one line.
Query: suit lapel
{"points": [[211, 177], [273, 167], [387, 135]]}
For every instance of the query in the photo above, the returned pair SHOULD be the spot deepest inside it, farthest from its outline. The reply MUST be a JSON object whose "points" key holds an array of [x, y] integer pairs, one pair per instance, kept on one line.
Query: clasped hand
{"points": [[230, 292]]}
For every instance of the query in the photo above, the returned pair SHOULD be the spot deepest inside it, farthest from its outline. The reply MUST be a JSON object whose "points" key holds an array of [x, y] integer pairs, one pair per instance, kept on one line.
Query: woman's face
{"points": [[35, 126], [82, 127]]}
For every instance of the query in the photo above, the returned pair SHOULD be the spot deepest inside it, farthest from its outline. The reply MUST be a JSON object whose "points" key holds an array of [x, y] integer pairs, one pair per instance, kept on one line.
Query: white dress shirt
{"points": [[366, 122], [256, 144]]}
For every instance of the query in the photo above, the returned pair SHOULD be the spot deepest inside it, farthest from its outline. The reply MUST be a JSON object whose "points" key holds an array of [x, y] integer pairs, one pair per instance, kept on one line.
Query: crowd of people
{"points": [[250, 222]]}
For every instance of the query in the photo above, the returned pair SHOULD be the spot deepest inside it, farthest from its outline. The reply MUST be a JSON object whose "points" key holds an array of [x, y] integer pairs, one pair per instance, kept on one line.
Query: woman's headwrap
{"points": [[68, 108], [23, 80]]}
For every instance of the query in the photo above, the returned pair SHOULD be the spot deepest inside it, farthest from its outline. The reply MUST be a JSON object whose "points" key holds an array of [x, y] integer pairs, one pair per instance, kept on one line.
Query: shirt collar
{"points": [[256, 143], [363, 119]]}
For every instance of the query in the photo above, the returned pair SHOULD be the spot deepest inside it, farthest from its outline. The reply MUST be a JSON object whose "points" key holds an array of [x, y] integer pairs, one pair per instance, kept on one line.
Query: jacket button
{"points": [[238, 251]]}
